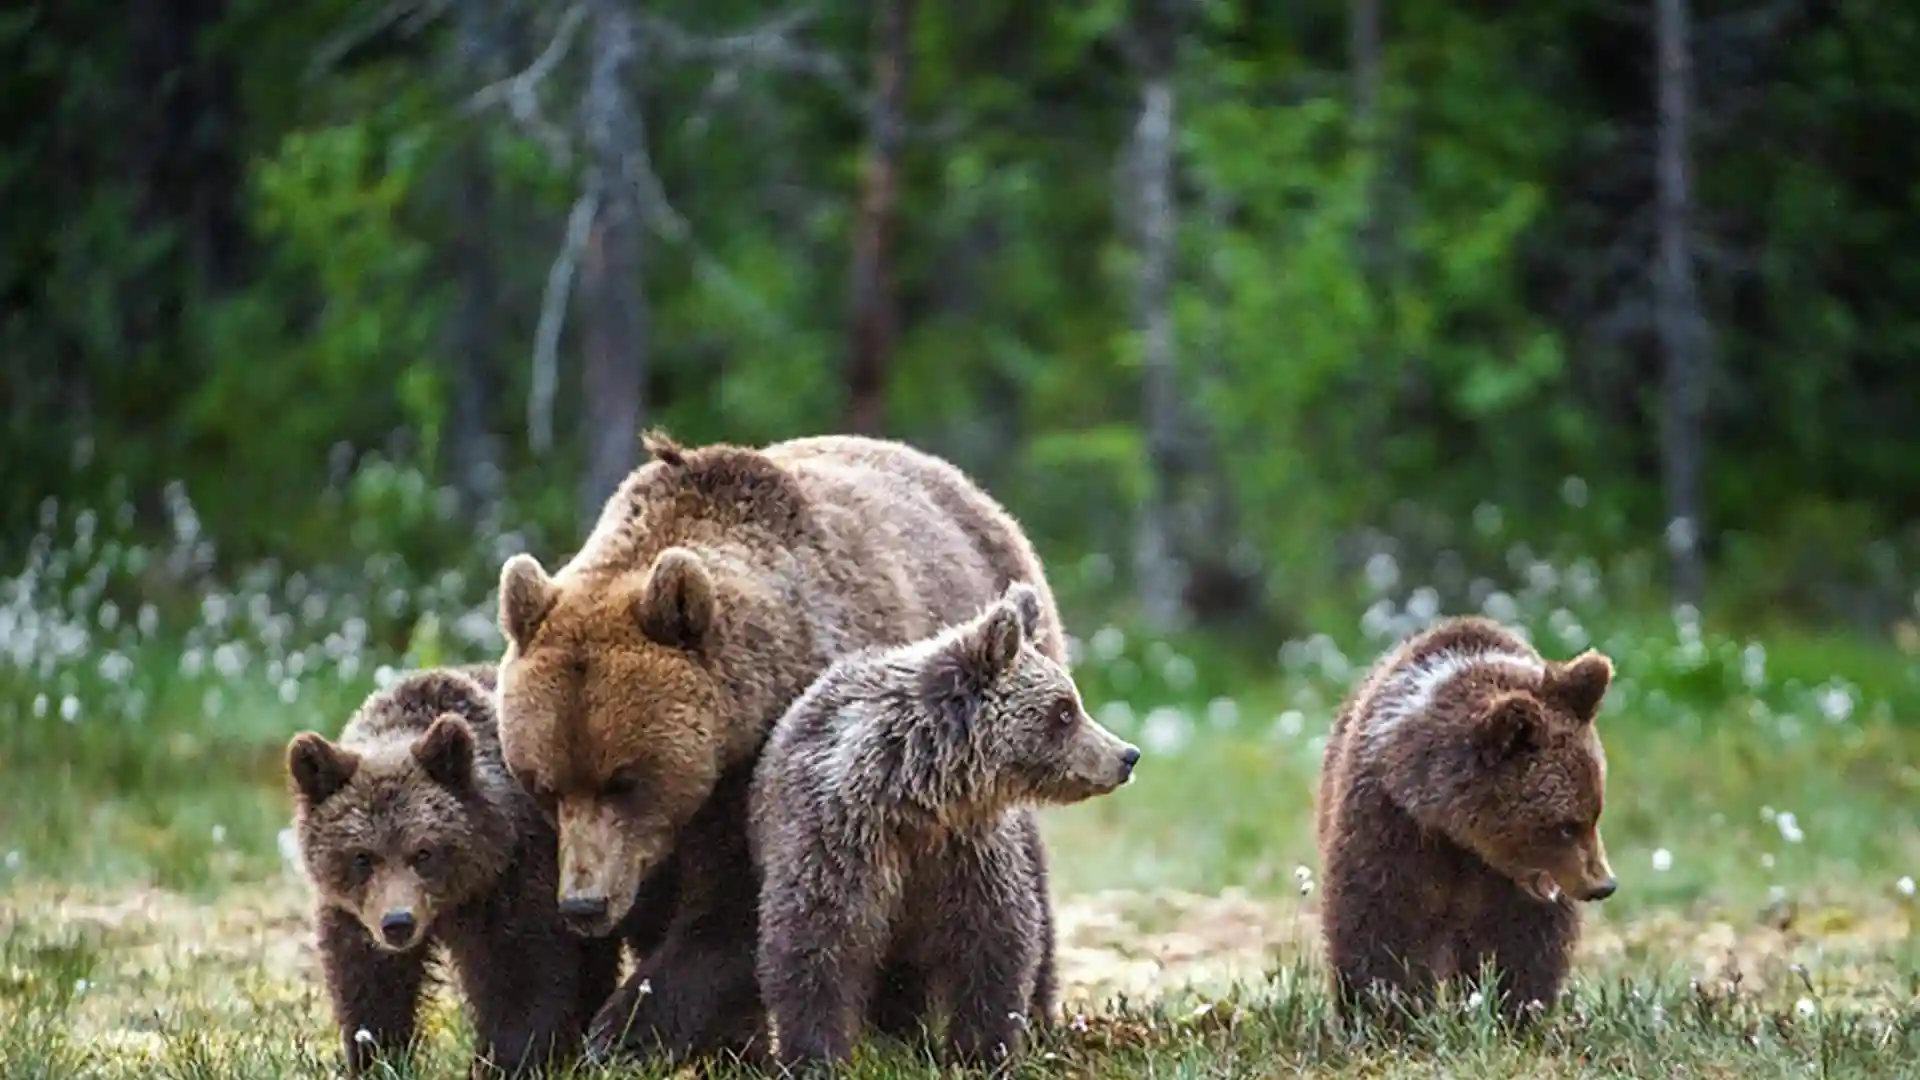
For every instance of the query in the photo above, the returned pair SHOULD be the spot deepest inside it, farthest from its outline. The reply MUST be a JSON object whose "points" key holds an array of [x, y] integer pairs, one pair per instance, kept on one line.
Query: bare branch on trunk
{"points": [[545, 378]]}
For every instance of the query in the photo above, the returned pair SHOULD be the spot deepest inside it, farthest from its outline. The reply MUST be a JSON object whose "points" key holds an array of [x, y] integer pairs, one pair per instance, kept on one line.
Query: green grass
{"points": [[1761, 818]]}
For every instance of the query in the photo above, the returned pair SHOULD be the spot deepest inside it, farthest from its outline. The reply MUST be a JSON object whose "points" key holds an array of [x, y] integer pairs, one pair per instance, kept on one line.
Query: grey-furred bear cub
{"points": [[892, 822]]}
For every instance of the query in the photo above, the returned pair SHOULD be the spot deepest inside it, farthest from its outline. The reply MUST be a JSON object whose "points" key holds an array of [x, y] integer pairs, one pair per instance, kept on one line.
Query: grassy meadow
{"points": [[1761, 820]]}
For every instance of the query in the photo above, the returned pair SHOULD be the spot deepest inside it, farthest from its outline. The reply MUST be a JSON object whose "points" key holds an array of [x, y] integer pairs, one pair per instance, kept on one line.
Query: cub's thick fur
{"points": [[893, 825], [1459, 815], [415, 837], [640, 680]]}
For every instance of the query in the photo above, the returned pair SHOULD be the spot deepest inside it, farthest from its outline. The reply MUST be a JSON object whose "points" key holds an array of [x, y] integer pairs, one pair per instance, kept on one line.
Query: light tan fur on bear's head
{"points": [[397, 829], [1498, 748], [622, 698], [613, 675]]}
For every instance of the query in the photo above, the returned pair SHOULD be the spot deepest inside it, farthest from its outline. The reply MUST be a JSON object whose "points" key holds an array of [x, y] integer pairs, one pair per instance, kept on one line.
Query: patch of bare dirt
{"points": [[159, 952]]}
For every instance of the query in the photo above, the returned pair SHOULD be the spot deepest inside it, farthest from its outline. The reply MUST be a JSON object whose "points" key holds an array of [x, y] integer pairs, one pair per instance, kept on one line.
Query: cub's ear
{"points": [[994, 643], [318, 768], [1025, 601], [1581, 683], [1509, 727], [676, 609], [445, 752], [526, 596]]}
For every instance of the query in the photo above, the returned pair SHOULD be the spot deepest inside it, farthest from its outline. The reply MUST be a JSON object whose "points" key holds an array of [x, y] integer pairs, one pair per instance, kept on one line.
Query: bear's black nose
{"points": [[397, 927], [583, 909], [1604, 889], [1130, 756]]}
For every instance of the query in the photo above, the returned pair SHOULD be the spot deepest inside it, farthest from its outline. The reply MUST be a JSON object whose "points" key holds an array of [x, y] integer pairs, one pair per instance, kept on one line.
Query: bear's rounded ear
{"points": [[1581, 683], [995, 643], [445, 752], [1024, 599], [318, 768], [526, 596], [1509, 726], [676, 608]]}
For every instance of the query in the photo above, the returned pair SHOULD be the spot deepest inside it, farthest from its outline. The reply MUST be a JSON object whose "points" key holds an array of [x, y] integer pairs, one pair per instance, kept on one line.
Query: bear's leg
{"points": [[531, 987], [376, 994], [695, 993], [898, 1007], [1045, 984], [987, 952], [1530, 945], [824, 937], [1381, 953]]}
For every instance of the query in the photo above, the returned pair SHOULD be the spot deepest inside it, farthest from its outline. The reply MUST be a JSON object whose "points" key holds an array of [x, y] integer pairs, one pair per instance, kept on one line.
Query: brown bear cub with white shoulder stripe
{"points": [[892, 819], [1458, 819]]}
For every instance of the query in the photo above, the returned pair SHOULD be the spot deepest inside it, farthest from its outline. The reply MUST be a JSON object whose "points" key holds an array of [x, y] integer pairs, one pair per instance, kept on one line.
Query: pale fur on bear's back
{"points": [[1458, 814]]}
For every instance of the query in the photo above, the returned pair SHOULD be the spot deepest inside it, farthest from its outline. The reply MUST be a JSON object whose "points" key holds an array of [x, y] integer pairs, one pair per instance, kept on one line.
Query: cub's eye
{"points": [[421, 859], [620, 785], [1571, 830], [362, 863], [1065, 712]]}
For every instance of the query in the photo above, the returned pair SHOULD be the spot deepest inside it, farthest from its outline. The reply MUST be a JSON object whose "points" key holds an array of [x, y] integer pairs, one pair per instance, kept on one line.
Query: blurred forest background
{"points": [[1225, 299]]}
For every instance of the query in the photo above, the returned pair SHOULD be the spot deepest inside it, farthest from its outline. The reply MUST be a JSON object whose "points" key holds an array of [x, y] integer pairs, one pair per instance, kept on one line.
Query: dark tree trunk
{"points": [[1680, 322], [614, 319], [471, 445], [874, 313]]}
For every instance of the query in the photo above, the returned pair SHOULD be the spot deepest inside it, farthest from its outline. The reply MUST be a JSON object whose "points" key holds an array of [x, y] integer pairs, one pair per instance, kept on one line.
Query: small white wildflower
{"points": [[1223, 712], [1383, 572], [70, 708], [219, 834], [81, 986], [645, 987], [1776, 894], [1475, 999], [1166, 730], [1904, 886], [1302, 872], [1290, 723], [363, 1037], [1662, 860], [1805, 1007], [1574, 491], [39, 706], [1766, 860], [1790, 827], [14, 858], [1108, 643], [1079, 1022], [289, 845]]}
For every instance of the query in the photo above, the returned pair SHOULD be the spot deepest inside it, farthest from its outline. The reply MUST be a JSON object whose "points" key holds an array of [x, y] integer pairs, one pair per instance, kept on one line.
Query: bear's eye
{"points": [[362, 863], [1065, 712], [421, 858], [620, 785], [1571, 830]]}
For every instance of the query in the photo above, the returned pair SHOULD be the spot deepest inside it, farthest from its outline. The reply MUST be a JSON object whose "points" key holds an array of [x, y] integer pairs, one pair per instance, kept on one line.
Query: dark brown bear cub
{"points": [[892, 821], [1459, 817], [415, 836]]}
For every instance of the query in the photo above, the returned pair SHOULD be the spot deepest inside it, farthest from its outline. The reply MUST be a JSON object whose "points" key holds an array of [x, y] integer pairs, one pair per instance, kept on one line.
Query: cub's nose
{"points": [[1603, 890], [1128, 759], [397, 927], [583, 911]]}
